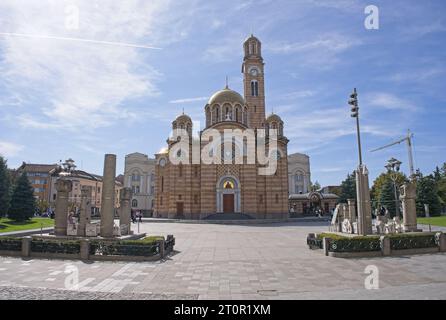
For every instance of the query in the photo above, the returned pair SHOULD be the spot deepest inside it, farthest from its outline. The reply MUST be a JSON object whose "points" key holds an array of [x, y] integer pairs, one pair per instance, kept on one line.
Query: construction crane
{"points": [[408, 139]]}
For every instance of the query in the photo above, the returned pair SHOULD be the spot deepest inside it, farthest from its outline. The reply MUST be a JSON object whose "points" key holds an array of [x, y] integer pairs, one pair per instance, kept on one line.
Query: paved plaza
{"points": [[267, 261]]}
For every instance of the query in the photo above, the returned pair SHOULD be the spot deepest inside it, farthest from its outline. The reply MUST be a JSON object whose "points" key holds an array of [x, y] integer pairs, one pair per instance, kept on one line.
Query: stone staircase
{"points": [[228, 216]]}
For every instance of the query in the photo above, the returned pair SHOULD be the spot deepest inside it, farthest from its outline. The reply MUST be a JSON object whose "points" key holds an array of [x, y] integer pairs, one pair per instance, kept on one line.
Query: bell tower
{"points": [[254, 81]]}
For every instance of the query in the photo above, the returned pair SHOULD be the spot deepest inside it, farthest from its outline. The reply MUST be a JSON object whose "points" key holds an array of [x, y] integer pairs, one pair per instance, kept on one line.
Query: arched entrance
{"points": [[315, 202], [228, 195]]}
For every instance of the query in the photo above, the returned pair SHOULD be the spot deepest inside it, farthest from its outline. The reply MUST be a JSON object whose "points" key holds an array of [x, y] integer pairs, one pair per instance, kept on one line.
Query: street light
{"points": [[393, 167], [353, 101]]}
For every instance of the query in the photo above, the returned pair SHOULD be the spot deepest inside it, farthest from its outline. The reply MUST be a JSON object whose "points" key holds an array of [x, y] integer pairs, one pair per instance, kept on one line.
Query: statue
{"points": [[408, 193]]}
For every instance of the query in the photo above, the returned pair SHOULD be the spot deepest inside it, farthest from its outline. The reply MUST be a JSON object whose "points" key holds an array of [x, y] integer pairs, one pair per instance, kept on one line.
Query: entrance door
{"points": [[228, 203], [180, 208]]}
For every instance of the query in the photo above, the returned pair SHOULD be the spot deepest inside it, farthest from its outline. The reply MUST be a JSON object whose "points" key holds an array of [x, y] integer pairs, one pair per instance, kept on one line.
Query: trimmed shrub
{"points": [[146, 247], [10, 244], [55, 246]]}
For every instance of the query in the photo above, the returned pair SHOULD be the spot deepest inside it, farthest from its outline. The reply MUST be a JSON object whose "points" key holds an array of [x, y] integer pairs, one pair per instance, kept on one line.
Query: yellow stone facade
{"points": [[194, 190]]}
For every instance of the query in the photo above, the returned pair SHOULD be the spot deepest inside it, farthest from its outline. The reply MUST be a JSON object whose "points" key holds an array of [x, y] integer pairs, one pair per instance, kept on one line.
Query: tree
{"points": [[378, 184], [348, 188], [23, 203], [315, 187], [443, 170], [427, 193], [441, 186], [5, 187], [437, 174], [386, 196], [42, 205]]}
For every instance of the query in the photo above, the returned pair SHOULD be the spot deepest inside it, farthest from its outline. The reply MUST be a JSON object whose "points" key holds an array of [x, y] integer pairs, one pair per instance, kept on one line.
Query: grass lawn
{"points": [[435, 221], [7, 225]]}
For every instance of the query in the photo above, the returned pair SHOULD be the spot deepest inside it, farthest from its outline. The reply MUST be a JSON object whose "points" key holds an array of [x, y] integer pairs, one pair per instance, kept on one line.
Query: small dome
{"points": [[251, 37], [183, 117], [273, 117], [226, 95], [163, 150]]}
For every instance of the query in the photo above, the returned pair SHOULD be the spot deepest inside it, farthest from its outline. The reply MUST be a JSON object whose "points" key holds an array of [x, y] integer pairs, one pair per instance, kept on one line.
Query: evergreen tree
{"points": [[23, 202], [387, 196], [378, 184], [437, 174], [427, 193], [5, 188], [441, 186], [443, 170], [315, 187], [348, 188]]}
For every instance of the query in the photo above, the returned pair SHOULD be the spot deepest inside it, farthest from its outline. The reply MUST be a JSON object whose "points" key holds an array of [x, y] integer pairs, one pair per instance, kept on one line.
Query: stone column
{"points": [[124, 198], [85, 212], [352, 210], [63, 187], [363, 197], [408, 194], [108, 196]]}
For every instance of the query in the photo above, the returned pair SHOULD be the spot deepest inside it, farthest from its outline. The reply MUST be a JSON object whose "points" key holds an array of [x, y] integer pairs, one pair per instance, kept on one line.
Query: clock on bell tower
{"points": [[254, 81]]}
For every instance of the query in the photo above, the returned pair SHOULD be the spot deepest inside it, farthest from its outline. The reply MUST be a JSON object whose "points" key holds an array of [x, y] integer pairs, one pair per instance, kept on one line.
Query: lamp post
{"points": [[353, 101], [393, 167]]}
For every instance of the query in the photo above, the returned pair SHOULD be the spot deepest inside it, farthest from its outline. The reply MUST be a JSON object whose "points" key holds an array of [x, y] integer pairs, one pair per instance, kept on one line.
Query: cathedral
{"points": [[199, 190]]}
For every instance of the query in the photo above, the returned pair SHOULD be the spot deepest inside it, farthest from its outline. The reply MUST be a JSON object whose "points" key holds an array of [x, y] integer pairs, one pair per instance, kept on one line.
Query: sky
{"points": [[82, 78]]}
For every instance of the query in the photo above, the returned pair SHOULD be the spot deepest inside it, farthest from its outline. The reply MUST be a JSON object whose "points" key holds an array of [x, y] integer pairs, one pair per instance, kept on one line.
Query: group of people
{"points": [[136, 216], [49, 213]]}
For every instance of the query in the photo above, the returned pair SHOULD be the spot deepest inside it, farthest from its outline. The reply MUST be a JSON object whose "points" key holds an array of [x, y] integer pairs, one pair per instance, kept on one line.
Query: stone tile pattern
{"points": [[268, 261]]}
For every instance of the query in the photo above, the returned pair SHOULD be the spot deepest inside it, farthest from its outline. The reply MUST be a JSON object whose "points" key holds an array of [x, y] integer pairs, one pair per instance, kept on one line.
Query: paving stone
{"points": [[255, 262]]}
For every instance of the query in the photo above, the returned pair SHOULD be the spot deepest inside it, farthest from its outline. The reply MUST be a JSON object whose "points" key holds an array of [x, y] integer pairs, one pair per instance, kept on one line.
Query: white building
{"points": [[299, 175], [139, 175]]}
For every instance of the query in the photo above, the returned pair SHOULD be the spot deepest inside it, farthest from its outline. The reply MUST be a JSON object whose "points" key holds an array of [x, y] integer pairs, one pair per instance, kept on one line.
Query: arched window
{"points": [[208, 117], [299, 182], [254, 88], [152, 183], [134, 203], [228, 184]]}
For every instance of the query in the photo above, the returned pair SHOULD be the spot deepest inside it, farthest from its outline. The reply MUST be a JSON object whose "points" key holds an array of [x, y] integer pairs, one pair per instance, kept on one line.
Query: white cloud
{"points": [[222, 49], [412, 31], [330, 169], [316, 129], [9, 149], [188, 100], [389, 101], [332, 42], [317, 51], [336, 4], [299, 94], [81, 85]]}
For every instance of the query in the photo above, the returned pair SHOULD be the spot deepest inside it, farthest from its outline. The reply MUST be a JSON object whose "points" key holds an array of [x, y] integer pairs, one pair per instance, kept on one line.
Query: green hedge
{"points": [[10, 244], [355, 245], [55, 246], [413, 241], [146, 247], [398, 241]]}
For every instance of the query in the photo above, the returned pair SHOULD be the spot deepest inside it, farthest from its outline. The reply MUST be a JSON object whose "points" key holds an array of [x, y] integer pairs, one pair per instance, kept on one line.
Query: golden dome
{"points": [[273, 117], [226, 95]]}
